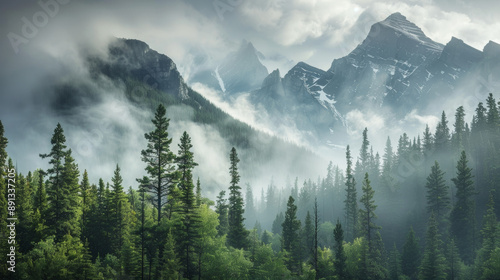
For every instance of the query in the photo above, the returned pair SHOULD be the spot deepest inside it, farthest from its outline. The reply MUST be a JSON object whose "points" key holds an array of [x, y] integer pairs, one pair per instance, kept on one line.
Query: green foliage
{"points": [[490, 236], [325, 264], [454, 265], [438, 199], [464, 211], [188, 233], [354, 252], [433, 262], [237, 234], [410, 258], [160, 163], [291, 238], [277, 228], [267, 265], [171, 262], [394, 264], [442, 135], [67, 259], [351, 203], [340, 255], [221, 209], [491, 269]]}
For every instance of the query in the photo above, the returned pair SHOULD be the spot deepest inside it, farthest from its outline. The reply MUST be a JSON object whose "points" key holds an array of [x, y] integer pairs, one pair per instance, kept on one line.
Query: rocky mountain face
{"points": [[292, 100], [134, 59], [397, 69]]}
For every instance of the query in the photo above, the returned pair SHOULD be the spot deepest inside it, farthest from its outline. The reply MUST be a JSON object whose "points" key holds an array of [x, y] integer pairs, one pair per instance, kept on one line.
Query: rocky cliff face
{"points": [[134, 58]]}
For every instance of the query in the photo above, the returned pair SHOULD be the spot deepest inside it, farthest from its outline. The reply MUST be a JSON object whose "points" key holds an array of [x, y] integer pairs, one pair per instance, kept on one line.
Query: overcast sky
{"points": [[40, 41], [314, 31]]}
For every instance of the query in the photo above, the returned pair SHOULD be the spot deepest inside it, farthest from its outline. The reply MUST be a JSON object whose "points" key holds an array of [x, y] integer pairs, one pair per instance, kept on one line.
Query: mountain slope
{"points": [[148, 79]]}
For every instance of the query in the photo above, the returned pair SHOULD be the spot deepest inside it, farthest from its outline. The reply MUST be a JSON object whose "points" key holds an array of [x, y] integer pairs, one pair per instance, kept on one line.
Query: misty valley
{"points": [[118, 163]]}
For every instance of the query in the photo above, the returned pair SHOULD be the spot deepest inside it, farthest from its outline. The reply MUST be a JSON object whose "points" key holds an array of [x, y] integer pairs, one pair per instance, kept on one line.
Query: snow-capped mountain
{"points": [[397, 68]]}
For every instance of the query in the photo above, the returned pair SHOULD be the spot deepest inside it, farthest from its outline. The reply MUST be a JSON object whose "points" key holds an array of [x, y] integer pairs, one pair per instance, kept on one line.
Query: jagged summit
{"points": [[459, 54], [492, 49], [241, 71], [403, 26]]}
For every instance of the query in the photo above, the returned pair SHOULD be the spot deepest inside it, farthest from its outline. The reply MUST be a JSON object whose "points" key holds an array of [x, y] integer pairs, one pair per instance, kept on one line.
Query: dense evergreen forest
{"points": [[425, 209]]}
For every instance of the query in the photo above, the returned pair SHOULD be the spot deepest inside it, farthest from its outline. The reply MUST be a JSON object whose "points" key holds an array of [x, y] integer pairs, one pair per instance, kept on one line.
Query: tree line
{"points": [[348, 225]]}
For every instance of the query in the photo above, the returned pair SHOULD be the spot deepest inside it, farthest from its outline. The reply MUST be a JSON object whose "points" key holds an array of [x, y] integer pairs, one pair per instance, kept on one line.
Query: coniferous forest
{"points": [[424, 208]]}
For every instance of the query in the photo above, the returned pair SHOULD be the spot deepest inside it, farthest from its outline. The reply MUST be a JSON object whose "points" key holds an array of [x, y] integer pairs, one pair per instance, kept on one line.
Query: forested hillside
{"points": [[426, 208]]}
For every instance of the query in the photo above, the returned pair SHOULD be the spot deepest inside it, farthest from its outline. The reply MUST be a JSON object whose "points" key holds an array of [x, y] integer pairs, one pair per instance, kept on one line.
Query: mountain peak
{"points": [[491, 49], [403, 26]]}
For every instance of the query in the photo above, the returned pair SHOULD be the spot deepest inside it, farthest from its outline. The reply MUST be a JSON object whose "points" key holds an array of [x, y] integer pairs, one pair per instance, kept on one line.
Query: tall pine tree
{"points": [[433, 262], [410, 258], [372, 262], [55, 189], [188, 235], [351, 204], [291, 239], [160, 163], [340, 255], [464, 211], [438, 200], [237, 234], [221, 210]]}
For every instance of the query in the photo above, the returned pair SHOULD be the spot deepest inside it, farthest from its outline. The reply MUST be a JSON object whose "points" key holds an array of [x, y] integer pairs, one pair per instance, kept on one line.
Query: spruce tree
{"points": [[394, 264], [340, 255], [364, 154], [490, 233], [453, 261], [68, 197], [315, 238], [308, 235], [438, 200], [40, 208], [237, 234], [221, 210], [433, 262], [24, 213], [86, 200], [410, 258], [387, 178], [55, 189], [188, 235], [367, 212], [160, 163], [291, 239], [427, 141], [118, 211], [463, 214], [458, 137], [493, 116], [198, 192], [171, 267], [442, 135], [479, 122], [372, 266], [351, 204], [249, 205]]}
